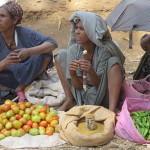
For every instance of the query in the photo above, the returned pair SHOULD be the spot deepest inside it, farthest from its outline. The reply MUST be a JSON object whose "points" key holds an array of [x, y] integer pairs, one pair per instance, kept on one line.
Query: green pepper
{"points": [[142, 130], [148, 138], [135, 113], [137, 127], [145, 132], [138, 121], [143, 113]]}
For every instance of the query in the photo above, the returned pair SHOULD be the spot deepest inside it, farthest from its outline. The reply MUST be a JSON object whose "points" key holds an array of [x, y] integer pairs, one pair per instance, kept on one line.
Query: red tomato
{"points": [[43, 124], [44, 109], [26, 128], [18, 116], [29, 122], [35, 125], [49, 132], [56, 118]]}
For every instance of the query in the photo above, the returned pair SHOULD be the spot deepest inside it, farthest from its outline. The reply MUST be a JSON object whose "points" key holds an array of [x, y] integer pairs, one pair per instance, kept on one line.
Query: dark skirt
{"points": [[24, 72]]}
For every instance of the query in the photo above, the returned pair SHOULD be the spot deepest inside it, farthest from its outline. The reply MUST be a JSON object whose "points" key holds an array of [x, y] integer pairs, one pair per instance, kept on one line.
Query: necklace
{"points": [[10, 44]]}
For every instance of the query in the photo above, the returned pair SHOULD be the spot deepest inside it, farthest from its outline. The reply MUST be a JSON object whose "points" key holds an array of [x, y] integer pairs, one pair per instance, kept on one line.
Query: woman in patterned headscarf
{"points": [[103, 64], [24, 53]]}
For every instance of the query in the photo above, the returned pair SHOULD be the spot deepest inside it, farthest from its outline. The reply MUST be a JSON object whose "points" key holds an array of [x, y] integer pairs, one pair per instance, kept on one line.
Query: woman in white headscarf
{"points": [[103, 64]]}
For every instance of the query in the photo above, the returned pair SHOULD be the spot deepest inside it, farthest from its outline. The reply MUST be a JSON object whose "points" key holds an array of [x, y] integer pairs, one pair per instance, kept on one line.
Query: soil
{"points": [[50, 17]]}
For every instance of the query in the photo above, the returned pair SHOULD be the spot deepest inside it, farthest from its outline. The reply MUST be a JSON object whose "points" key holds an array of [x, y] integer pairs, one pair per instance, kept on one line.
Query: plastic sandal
{"points": [[21, 96]]}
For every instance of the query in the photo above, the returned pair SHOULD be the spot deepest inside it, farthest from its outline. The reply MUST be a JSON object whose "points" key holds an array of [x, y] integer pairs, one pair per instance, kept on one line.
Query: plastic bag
{"points": [[137, 88], [125, 127]]}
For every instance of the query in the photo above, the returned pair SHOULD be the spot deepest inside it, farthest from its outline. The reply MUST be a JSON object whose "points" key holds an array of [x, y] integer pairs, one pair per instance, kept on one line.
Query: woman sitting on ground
{"points": [[103, 64], [24, 53], [143, 69]]}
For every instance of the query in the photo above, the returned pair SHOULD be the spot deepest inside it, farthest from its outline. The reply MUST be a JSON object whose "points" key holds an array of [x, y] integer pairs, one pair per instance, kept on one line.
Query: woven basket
{"points": [[137, 88]]}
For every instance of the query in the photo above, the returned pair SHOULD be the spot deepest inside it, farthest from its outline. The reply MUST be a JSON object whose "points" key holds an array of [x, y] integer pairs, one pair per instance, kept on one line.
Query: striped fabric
{"points": [[130, 15]]}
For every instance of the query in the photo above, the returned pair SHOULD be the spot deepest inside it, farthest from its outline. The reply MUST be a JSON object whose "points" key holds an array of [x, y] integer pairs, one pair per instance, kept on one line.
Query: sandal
{"points": [[21, 96]]}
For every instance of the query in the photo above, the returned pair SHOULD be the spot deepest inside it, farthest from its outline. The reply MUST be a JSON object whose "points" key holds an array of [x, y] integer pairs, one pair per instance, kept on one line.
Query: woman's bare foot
{"points": [[66, 105]]}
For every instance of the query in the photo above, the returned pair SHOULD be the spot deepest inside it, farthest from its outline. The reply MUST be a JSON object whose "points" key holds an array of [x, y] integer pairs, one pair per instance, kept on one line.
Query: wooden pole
{"points": [[130, 39]]}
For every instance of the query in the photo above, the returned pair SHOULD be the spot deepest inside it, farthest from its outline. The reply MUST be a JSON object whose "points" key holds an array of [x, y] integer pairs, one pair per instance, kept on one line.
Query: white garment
{"points": [[47, 92]]}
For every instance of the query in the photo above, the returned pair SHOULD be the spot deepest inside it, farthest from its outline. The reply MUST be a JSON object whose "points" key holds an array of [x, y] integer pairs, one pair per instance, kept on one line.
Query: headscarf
{"points": [[96, 30], [15, 9]]}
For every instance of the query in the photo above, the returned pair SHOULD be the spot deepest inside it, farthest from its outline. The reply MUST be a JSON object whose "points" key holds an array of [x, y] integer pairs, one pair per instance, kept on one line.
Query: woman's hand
{"points": [[74, 65], [85, 65], [23, 53], [11, 59]]}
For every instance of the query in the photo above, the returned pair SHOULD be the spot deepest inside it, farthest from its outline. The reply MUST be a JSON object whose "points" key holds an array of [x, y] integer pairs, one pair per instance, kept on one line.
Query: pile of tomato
{"points": [[17, 119]]}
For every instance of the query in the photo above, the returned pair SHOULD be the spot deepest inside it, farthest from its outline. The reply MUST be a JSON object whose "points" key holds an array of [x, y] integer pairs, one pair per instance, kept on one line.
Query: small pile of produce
{"points": [[141, 121], [16, 119]]}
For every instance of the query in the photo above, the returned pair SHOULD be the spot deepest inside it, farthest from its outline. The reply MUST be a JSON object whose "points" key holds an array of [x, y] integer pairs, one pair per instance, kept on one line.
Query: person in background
{"points": [[143, 69], [103, 64], [24, 53]]}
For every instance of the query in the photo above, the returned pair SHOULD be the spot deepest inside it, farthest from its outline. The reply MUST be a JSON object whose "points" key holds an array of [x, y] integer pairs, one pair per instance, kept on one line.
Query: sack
{"points": [[125, 127], [137, 88], [69, 126]]}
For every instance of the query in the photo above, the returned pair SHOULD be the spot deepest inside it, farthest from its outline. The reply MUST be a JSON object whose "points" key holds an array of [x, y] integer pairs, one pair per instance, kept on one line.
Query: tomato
{"points": [[1, 126], [28, 104], [9, 114], [15, 109], [17, 124], [21, 112], [35, 125], [3, 115], [20, 132], [23, 120], [3, 130], [53, 123], [1, 109], [4, 121], [22, 107], [53, 113], [42, 131], [29, 122], [42, 115], [34, 131], [2, 136], [43, 124], [26, 128], [56, 118], [49, 132], [18, 116], [27, 116], [48, 118], [7, 133], [12, 119], [36, 118], [44, 109], [8, 125], [8, 101], [6, 107], [50, 128]]}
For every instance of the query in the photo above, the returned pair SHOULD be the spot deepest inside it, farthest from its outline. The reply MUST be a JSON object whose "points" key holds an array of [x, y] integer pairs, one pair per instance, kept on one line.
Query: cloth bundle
{"points": [[46, 92]]}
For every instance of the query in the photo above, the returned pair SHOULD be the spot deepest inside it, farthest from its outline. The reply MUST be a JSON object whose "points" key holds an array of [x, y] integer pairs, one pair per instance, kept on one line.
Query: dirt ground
{"points": [[50, 17]]}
